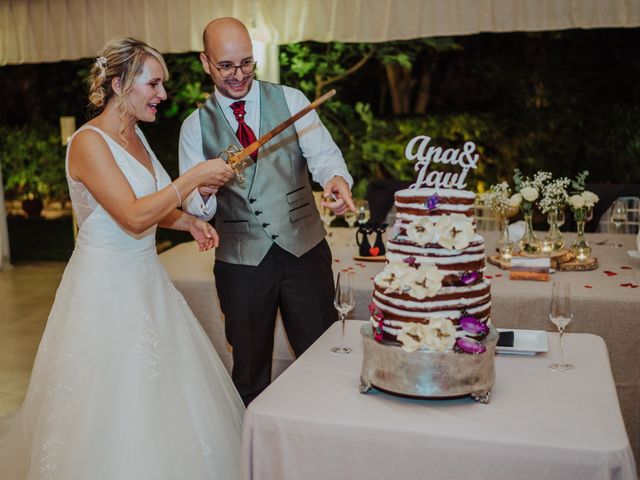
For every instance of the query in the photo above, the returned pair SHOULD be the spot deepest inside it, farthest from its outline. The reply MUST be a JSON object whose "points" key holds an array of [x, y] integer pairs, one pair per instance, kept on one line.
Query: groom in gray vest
{"points": [[272, 252]]}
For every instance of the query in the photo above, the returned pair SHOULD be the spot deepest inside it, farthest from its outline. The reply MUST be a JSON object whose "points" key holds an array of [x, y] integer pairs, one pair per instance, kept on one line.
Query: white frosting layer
{"points": [[442, 192], [410, 304], [442, 207], [404, 250], [394, 327]]}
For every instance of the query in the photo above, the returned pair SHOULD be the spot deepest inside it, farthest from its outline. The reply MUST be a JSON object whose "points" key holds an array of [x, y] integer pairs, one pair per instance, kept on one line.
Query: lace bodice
{"points": [[97, 227]]}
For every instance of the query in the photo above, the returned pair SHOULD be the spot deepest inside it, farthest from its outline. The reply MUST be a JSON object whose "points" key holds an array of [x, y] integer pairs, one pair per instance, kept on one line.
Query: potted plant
{"points": [[33, 167]]}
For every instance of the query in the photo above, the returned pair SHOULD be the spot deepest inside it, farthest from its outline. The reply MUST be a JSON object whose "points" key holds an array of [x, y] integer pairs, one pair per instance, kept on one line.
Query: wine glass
{"points": [[344, 302], [327, 216], [618, 216], [363, 212], [351, 218], [560, 315]]}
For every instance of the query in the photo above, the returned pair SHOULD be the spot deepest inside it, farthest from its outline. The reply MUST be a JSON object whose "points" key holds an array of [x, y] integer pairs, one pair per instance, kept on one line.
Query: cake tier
{"points": [[453, 263], [451, 302], [422, 202]]}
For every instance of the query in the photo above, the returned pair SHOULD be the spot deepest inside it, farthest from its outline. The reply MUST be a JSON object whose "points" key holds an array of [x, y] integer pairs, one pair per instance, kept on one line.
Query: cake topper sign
{"points": [[418, 149]]}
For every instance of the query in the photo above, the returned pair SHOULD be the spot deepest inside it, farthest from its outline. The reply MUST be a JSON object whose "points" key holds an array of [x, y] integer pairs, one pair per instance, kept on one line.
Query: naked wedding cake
{"points": [[430, 332]]}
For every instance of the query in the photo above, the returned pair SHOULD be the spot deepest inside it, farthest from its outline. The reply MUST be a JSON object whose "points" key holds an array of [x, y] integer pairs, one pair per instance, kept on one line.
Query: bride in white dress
{"points": [[126, 385]]}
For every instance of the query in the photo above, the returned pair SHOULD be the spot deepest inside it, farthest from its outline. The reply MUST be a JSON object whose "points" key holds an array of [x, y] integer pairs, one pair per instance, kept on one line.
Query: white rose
{"points": [[421, 231], [441, 335], [515, 200], [590, 198], [576, 201], [529, 194], [455, 231], [426, 281]]}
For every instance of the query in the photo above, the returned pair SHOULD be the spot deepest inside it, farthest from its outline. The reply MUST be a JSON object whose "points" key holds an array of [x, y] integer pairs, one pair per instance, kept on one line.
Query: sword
{"points": [[240, 159]]}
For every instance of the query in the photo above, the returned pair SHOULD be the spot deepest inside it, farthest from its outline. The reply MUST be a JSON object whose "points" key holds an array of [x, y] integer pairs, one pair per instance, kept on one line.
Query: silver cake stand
{"points": [[427, 374]]}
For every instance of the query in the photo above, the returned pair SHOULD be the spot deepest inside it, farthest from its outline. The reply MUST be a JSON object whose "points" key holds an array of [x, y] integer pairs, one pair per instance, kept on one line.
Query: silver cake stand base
{"points": [[427, 374]]}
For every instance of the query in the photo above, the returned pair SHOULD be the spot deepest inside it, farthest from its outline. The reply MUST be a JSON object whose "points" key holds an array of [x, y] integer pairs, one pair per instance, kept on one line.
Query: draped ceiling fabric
{"points": [[53, 30]]}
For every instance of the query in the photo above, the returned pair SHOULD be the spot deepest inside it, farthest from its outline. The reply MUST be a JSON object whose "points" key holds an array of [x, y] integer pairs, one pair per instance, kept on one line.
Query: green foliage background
{"points": [[561, 101]]}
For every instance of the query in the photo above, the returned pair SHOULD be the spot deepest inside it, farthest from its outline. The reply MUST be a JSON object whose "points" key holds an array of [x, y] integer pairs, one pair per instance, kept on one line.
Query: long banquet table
{"points": [[602, 305], [313, 423]]}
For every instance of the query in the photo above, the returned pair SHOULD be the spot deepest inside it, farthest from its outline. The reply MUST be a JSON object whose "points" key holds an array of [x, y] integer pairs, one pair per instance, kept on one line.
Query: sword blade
{"points": [[249, 149]]}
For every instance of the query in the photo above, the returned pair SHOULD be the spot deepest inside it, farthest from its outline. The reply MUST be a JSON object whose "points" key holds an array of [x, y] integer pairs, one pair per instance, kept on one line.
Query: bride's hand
{"points": [[204, 234]]}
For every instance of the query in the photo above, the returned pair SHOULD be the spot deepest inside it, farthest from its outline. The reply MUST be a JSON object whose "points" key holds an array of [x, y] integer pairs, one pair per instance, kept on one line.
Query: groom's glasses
{"points": [[228, 69]]}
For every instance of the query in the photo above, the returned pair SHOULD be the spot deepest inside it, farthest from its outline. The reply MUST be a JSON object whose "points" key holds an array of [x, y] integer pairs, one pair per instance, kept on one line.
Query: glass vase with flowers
{"points": [[581, 203], [552, 203], [527, 192]]}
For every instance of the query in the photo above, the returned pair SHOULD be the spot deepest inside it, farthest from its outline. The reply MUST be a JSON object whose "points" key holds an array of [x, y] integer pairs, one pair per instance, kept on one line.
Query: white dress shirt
{"points": [[323, 156]]}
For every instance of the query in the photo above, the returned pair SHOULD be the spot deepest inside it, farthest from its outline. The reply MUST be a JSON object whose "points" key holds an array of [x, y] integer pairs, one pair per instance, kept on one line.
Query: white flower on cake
{"points": [[392, 278], [421, 282], [426, 281], [590, 198], [576, 201], [529, 193], [439, 335], [421, 231], [455, 231]]}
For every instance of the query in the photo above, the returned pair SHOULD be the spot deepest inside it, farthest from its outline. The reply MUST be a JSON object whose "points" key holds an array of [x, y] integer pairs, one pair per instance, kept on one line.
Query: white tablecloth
{"points": [[602, 305], [312, 422]]}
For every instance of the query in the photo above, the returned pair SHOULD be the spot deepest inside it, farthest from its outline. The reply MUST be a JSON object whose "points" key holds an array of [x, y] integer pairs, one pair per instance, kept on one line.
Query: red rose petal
{"points": [[337, 260], [488, 276], [588, 286], [625, 284], [634, 286], [625, 267], [609, 273], [498, 274]]}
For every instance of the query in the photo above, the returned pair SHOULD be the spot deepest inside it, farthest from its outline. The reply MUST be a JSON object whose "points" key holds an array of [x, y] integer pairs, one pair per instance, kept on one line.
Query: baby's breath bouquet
{"points": [[528, 190], [498, 199], [552, 203]]}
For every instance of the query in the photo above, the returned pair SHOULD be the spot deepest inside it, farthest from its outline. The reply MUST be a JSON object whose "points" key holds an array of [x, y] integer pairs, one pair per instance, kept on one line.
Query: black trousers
{"points": [[301, 287]]}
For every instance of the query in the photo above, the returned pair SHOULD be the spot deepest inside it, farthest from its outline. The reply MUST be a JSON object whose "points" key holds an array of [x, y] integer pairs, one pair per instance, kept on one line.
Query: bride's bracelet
{"points": [[178, 194]]}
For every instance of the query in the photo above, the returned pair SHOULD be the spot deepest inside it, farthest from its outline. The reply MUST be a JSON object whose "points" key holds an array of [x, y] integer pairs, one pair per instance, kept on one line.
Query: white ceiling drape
{"points": [[53, 30]]}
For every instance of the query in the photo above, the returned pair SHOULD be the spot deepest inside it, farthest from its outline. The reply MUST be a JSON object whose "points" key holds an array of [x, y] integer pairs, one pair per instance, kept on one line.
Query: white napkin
{"points": [[516, 230]]}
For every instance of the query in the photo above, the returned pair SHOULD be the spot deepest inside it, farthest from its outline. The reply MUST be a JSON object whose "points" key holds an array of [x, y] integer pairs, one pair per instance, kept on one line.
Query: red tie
{"points": [[244, 133]]}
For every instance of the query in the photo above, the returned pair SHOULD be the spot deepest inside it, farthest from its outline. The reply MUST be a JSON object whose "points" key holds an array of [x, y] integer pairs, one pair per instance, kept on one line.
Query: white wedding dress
{"points": [[126, 385]]}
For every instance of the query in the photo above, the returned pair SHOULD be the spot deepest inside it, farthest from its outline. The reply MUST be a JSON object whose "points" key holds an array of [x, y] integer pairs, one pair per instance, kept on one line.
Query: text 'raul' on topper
{"points": [[418, 149]]}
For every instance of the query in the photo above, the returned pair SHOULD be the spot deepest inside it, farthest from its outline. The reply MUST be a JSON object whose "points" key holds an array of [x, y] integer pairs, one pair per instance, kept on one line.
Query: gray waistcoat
{"points": [[275, 204]]}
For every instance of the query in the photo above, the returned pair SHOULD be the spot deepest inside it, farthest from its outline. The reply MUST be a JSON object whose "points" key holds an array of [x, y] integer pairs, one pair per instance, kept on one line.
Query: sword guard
{"points": [[232, 157]]}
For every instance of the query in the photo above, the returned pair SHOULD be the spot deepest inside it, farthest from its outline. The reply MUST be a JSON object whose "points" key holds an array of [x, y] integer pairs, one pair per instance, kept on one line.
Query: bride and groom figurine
{"points": [[365, 247]]}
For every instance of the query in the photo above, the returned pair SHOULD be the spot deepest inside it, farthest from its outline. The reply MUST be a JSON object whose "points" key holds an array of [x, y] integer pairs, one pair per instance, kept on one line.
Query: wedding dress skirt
{"points": [[126, 385]]}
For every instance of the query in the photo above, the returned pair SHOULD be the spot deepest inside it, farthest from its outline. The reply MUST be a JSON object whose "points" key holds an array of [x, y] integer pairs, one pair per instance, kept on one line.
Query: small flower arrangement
{"points": [[528, 189], [498, 199], [554, 195], [581, 199]]}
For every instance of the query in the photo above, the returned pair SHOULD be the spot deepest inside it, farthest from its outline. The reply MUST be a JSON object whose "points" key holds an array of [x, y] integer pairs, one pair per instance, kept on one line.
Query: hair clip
{"points": [[101, 62]]}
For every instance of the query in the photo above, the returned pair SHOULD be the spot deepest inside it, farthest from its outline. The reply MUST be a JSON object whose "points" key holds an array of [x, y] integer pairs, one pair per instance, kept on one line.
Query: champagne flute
{"points": [[344, 302], [561, 315]]}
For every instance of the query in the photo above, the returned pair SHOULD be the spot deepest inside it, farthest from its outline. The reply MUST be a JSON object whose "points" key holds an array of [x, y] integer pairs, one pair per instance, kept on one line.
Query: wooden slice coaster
{"points": [[378, 258], [499, 262], [573, 265], [557, 258]]}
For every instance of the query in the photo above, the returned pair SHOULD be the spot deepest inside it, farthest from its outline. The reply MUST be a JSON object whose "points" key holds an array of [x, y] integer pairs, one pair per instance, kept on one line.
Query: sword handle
{"points": [[236, 161]]}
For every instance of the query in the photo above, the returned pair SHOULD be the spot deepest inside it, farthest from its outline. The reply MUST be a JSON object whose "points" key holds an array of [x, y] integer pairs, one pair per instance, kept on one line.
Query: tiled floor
{"points": [[26, 295]]}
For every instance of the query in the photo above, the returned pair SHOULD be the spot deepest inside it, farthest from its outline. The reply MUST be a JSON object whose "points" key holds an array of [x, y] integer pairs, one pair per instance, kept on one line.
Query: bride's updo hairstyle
{"points": [[122, 57]]}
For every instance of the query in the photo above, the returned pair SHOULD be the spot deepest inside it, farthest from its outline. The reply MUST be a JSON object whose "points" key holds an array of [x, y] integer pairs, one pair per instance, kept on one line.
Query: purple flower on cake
{"points": [[432, 202], [469, 345], [468, 278], [471, 324], [411, 261]]}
